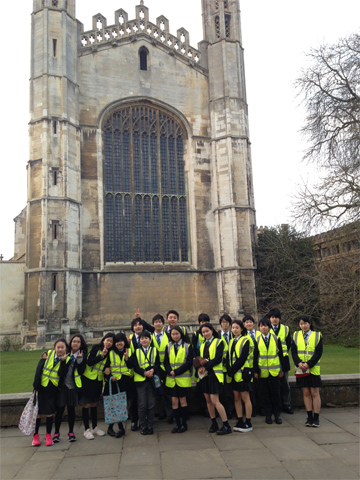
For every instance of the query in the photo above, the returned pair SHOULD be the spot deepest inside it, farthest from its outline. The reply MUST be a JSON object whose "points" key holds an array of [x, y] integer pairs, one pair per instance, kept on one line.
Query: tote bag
{"points": [[115, 406], [28, 417]]}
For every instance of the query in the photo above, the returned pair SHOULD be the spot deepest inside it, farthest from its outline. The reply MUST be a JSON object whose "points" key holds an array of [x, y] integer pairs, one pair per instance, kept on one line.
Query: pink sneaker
{"points": [[48, 440], [36, 440]]}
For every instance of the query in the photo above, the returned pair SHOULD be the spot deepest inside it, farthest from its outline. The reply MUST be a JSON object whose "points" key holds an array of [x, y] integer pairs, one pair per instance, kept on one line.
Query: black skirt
{"points": [[91, 390], [210, 384], [311, 381], [67, 397], [241, 386], [47, 399], [177, 391]]}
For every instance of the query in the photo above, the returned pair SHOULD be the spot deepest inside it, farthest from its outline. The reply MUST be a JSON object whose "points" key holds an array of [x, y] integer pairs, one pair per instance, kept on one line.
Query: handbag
{"points": [[247, 374], [28, 417], [115, 406]]}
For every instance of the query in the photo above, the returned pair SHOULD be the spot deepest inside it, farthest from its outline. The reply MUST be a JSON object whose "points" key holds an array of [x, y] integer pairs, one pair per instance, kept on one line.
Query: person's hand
{"points": [[104, 352], [172, 373], [63, 358], [137, 313], [80, 354], [201, 370], [113, 379], [151, 373], [281, 374], [126, 354], [256, 375]]}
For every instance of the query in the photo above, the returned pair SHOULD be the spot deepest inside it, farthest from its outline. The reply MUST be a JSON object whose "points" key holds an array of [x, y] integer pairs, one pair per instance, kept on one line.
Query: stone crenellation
{"points": [[124, 29]]}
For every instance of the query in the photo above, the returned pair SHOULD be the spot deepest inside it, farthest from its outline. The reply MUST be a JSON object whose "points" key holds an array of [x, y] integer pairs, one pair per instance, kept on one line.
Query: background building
{"points": [[139, 178]]}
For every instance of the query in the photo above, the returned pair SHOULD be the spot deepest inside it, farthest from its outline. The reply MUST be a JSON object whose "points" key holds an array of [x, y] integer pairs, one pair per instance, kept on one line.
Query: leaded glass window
{"points": [[145, 192]]}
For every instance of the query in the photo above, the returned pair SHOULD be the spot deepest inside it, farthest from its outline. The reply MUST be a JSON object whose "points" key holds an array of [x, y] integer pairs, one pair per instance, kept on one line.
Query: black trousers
{"points": [[269, 393]]}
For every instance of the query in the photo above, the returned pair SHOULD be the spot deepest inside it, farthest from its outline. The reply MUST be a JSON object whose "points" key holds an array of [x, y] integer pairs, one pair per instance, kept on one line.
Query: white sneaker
{"points": [[97, 431], [88, 435]]}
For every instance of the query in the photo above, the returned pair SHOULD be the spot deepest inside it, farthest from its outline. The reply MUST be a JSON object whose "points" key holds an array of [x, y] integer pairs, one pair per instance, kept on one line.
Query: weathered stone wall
{"points": [[11, 297]]}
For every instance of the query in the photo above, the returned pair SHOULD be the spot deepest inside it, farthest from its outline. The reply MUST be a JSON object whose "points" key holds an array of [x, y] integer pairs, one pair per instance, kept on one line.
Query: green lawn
{"points": [[17, 369]]}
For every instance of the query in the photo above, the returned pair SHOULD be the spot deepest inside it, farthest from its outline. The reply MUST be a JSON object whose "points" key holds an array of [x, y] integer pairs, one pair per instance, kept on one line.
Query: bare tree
{"points": [[330, 87]]}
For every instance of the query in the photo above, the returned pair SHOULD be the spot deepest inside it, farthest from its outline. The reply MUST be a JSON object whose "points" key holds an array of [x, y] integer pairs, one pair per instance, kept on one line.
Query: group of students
{"points": [[238, 370]]}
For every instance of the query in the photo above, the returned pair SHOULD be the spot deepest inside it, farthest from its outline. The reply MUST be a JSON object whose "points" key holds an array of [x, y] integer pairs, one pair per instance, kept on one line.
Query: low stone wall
{"points": [[337, 390]]}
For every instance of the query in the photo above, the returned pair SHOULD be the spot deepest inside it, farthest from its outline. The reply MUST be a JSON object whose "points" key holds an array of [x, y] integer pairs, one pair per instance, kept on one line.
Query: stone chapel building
{"points": [[140, 190]]}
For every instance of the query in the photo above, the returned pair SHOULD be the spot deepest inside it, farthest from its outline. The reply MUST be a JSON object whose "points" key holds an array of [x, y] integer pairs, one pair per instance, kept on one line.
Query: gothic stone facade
{"points": [[139, 178]]}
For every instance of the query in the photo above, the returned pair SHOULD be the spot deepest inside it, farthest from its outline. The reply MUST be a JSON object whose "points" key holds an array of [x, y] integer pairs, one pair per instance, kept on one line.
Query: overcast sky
{"points": [[276, 34]]}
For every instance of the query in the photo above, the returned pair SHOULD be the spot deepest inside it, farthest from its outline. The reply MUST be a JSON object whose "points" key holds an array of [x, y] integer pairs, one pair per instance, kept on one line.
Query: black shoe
{"points": [[288, 410], [309, 422], [239, 425], [183, 428], [134, 427], [150, 431], [120, 433], [144, 431], [214, 427], [162, 416], [268, 420], [110, 431], [278, 420], [175, 430], [315, 423], [224, 430]]}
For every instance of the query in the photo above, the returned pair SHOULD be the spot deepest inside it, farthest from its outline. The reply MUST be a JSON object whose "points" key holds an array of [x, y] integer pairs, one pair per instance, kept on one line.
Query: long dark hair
{"points": [[83, 346], [178, 329], [100, 345]]}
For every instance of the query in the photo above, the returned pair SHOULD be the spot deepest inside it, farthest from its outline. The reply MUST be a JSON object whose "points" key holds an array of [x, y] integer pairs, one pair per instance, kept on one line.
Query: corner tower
{"points": [[232, 186], [53, 256]]}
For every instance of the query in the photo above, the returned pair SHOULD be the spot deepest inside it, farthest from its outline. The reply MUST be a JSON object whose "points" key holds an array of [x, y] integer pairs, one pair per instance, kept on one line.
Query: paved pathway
{"points": [[287, 451]]}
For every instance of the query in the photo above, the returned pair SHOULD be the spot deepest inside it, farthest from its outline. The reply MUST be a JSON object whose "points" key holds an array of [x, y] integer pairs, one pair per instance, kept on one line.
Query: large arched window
{"points": [[145, 194]]}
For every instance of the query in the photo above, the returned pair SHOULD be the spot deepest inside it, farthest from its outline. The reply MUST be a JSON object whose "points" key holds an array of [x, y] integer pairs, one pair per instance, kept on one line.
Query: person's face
{"points": [[207, 333], [275, 321], [264, 329], [158, 325], [249, 325], [175, 335], [305, 326], [60, 349], [75, 344], [108, 342], [120, 345], [225, 325], [138, 328], [236, 330], [172, 319], [145, 342]]}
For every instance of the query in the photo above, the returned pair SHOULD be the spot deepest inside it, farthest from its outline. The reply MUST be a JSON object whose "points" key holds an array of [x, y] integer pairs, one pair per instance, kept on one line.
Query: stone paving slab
{"points": [[310, 469], [288, 451]]}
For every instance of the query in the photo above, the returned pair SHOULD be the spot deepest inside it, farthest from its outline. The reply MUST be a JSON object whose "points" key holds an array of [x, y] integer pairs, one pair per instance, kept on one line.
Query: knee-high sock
{"points": [[71, 418], [37, 426], [85, 417], [93, 412], [49, 424], [58, 418]]}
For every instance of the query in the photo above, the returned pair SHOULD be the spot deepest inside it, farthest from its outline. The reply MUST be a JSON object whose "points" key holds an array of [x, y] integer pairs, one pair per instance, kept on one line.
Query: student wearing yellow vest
{"points": [[306, 350], [172, 318], [268, 360], [138, 325], [178, 363], [249, 324], [237, 360], [160, 340], [146, 364], [92, 384], [70, 387], [51, 369], [118, 371], [196, 341], [226, 397], [283, 332], [211, 353]]}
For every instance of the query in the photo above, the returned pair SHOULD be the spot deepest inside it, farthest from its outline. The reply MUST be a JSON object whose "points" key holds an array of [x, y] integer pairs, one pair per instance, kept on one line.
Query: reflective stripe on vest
{"points": [[212, 353], [236, 354], [51, 373], [283, 333], [176, 361], [304, 354], [118, 366], [144, 362], [96, 372], [269, 361]]}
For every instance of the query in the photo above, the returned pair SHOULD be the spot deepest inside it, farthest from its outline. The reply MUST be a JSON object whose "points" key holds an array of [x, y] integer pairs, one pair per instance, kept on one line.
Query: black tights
{"points": [[71, 418]]}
